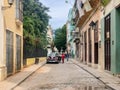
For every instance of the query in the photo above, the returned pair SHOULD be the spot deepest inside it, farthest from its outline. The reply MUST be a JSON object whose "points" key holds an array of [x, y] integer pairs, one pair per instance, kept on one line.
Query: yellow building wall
{"points": [[2, 34], [31, 61], [2, 64], [10, 24]]}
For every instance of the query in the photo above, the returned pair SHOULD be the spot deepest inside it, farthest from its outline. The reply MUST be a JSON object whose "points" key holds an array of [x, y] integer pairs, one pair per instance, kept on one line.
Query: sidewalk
{"points": [[18, 78], [109, 80]]}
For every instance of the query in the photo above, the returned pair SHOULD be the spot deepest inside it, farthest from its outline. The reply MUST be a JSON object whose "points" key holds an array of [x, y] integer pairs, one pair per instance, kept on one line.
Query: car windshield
{"points": [[52, 54]]}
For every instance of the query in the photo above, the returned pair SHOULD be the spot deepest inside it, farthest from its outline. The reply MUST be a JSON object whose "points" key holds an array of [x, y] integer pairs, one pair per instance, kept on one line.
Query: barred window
{"points": [[18, 52], [19, 10], [9, 52]]}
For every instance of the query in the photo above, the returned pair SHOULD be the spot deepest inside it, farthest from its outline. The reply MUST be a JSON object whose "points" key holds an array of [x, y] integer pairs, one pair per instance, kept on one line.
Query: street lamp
{"points": [[93, 25], [10, 2]]}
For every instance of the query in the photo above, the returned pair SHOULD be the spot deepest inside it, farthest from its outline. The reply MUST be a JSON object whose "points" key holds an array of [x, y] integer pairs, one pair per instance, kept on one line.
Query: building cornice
{"points": [[93, 12]]}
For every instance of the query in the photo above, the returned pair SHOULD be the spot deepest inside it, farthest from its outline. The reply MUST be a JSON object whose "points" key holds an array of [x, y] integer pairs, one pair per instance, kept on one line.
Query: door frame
{"points": [[107, 42]]}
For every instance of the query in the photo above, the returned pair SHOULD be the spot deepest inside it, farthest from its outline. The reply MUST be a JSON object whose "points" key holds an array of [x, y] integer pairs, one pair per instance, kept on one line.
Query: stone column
{"points": [[2, 62]]}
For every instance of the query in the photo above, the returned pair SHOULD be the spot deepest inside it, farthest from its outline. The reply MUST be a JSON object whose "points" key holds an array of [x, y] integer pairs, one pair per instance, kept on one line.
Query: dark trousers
{"points": [[62, 60]]}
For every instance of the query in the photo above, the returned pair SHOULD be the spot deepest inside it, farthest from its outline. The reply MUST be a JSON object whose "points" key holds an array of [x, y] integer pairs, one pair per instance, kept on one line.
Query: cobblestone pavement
{"points": [[60, 76]]}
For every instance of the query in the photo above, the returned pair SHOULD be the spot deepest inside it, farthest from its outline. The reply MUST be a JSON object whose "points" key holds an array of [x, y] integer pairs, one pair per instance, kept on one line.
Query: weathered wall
{"points": [[10, 23], [95, 17], [2, 33], [115, 32], [118, 40], [2, 62]]}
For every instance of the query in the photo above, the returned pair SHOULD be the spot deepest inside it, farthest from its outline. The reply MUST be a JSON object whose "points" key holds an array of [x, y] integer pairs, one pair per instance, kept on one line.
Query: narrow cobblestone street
{"points": [[36, 33], [60, 76]]}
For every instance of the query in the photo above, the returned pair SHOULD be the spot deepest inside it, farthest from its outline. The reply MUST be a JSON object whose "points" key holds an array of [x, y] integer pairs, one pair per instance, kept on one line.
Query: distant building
{"points": [[49, 39], [97, 30], [70, 28]]}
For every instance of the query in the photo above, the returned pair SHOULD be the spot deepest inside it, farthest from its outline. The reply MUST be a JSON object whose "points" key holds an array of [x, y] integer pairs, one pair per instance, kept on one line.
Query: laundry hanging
{"points": [[87, 6], [84, 1], [80, 9]]}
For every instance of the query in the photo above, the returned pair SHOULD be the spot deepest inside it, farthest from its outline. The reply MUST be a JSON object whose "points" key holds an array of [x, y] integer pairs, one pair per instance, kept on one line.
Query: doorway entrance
{"points": [[96, 43], [107, 47], [85, 41], [89, 46], [96, 53], [18, 53], [9, 52]]}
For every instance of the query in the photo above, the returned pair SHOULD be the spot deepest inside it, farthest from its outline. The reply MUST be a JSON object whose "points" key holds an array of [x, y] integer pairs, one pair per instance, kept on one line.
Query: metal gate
{"points": [[85, 41], [9, 52], [96, 43], [18, 53], [96, 53], [107, 44], [77, 50], [90, 45]]}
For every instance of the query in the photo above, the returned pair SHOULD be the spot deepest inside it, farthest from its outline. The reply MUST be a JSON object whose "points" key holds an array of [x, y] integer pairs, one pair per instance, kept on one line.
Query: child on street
{"points": [[63, 56]]}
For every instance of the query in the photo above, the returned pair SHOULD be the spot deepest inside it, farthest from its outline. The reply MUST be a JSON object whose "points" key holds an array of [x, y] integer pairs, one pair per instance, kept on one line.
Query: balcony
{"points": [[76, 37], [19, 17], [77, 40], [81, 20], [19, 12], [48, 46], [76, 16]]}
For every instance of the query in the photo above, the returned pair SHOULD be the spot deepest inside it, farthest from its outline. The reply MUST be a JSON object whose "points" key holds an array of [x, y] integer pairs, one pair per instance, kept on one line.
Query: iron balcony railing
{"points": [[19, 14], [76, 37]]}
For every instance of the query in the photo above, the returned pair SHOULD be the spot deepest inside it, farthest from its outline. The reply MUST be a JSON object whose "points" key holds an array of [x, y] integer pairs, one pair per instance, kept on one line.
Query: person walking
{"points": [[63, 56], [67, 55]]}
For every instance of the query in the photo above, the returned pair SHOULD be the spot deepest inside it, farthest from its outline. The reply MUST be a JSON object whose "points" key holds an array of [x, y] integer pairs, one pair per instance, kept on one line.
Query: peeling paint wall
{"points": [[112, 9]]}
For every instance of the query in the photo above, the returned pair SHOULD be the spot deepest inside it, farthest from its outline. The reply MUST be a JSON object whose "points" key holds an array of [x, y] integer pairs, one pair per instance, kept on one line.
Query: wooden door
{"points": [[107, 43]]}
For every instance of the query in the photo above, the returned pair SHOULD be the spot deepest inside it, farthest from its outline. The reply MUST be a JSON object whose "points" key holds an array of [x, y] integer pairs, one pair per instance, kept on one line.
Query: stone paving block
{"points": [[14, 80], [114, 86], [108, 79]]}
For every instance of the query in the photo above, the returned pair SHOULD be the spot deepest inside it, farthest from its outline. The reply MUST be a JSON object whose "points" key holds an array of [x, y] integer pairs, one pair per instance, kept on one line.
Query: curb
{"points": [[41, 64], [94, 76]]}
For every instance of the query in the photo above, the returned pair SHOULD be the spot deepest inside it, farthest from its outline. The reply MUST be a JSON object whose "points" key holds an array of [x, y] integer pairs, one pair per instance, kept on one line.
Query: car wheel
{"points": [[46, 62]]}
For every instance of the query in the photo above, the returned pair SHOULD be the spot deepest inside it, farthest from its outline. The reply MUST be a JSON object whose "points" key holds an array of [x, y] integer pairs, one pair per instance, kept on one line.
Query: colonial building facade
{"points": [[87, 27], [11, 29], [13, 41], [97, 24], [70, 28], [110, 39], [50, 40]]}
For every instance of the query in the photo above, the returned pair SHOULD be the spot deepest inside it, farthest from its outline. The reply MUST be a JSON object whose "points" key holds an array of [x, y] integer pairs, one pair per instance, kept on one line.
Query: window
{"points": [[9, 52], [18, 52], [19, 10]]}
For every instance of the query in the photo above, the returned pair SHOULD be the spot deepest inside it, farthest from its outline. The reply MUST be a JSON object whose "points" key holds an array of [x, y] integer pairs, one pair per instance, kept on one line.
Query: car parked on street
{"points": [[53, 58], [59, 57]]}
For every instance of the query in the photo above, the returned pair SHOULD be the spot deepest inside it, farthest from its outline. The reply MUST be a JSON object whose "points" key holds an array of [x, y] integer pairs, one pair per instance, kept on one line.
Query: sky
{"points": [[58, 11]]}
